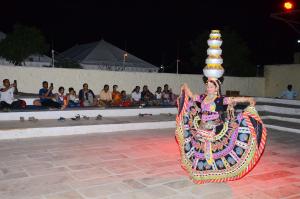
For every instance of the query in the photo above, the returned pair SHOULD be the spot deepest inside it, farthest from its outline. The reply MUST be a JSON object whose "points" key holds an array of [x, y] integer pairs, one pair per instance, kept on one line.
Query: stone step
{"points": [[43, 128], [90, 112], [282, 125], [279, 105]]}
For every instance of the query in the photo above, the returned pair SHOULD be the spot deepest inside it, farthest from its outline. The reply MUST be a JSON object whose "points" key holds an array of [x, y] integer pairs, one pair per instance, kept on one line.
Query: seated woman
{"points": [[116, 96], [73, 100], [125, 99], [87, 97]]}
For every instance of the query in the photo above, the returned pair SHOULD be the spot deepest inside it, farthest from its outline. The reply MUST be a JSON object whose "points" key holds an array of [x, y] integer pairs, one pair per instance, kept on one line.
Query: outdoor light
{"points": [[288, 5], [298, 41]]}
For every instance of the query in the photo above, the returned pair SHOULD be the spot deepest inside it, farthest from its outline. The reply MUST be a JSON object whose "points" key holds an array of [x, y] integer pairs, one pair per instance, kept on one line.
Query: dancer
{"points": [[215, 145]]}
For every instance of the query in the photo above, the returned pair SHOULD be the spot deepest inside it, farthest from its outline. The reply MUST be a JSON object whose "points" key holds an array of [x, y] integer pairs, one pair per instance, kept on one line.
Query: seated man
{"points": [[7, 100], [136, 96], [87, 96], [47, 97], [289, 93], [146, 96], [105, 96]]}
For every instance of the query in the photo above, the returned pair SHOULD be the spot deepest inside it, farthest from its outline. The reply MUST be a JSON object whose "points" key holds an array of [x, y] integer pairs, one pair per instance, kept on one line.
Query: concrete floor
{"points": [[134, 164]]}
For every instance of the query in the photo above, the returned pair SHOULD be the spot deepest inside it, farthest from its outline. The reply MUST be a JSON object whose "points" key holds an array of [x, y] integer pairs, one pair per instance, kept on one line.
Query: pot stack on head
{"points": [[214, 61]]}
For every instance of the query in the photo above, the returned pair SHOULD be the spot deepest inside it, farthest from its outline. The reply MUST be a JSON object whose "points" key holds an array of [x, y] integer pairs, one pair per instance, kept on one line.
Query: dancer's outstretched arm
{"points": [[236, 100]]}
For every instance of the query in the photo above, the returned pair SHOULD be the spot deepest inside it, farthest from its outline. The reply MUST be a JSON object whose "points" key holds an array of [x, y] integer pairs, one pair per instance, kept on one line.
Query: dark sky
{"points": [[153, 29]]}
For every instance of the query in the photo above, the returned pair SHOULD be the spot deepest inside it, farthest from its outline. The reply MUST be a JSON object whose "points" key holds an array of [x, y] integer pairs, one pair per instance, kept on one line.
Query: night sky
{"points": [[153, 30]]}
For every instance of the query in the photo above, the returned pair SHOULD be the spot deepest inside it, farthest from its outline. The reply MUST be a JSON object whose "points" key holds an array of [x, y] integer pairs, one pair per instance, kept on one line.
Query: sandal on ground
{"points": [[32, 119], [86, 117], [99, 117], [145, 114], [61, 119], [76, 118]]}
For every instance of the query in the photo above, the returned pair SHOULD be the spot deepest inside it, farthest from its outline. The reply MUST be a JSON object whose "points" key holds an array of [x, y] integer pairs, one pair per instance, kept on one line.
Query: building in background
{"points": [[105, 56]]}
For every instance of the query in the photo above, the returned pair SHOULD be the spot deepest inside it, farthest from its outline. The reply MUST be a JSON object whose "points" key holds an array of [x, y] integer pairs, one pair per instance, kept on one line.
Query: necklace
{"points": [[210, 98]]}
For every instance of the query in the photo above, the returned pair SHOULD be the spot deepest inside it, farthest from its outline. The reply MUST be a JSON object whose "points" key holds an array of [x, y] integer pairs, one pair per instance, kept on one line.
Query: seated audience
{"points": [[61, 98], [136, 95], [125, 99], [87, 96], [46, 96], [16, 87], [173, 97], [146, 96], [105, 96], [72, 98], [7, 100], [158, 96], [289, 93], [116, 96], [166, 95]]}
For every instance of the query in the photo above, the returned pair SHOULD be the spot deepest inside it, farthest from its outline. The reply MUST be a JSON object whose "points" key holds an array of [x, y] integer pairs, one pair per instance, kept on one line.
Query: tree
{"points": [[21, 43], [236, 53]]}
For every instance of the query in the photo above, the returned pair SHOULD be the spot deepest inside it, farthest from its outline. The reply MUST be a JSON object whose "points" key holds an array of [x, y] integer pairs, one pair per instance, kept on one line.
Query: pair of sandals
{"points": [[145, 114], [31, 119], [77, 117]]}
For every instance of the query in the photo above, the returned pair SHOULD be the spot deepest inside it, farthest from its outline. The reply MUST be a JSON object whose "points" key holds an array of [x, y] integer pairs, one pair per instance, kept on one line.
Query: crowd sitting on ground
{"points": [[86, 97]]}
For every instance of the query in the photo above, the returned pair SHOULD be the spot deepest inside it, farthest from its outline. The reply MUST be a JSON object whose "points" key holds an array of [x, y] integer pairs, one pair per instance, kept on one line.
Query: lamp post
{"points": [[52, 52], [124, 59], [177, 65]]}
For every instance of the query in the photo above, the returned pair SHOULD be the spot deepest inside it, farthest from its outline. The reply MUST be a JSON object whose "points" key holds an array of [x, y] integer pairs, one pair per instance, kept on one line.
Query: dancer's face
{"points": [[211, 88]]}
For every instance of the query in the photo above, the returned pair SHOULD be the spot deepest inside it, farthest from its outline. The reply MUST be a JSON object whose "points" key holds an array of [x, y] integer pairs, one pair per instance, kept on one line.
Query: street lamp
{"points": [[162, 68], [288, 5], [287, 15]]}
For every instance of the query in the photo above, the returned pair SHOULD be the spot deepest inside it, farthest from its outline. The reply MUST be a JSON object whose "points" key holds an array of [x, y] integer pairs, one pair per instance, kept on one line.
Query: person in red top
{"points": [[116, 96]]}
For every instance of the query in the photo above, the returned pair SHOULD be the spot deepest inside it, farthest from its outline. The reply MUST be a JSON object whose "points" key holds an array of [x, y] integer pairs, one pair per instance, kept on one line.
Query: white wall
{"points": [[30, 80]]}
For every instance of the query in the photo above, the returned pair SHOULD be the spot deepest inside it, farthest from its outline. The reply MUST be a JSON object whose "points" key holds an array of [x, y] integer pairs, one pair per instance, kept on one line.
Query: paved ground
{"points": [[134, 164]]}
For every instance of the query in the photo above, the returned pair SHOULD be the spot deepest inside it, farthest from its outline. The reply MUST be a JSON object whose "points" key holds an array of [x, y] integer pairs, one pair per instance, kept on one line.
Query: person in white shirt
{"points": [[289, 93], [158, 96], [136, 95], [7, 100], [158, 93]]}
